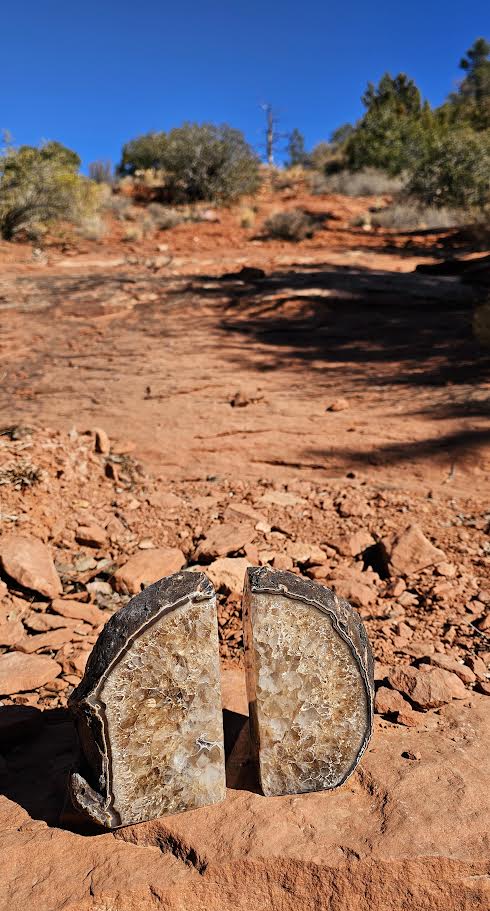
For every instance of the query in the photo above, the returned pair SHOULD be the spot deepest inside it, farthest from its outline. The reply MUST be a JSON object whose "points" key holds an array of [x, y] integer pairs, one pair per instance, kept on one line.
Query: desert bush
{"points": [[162, 217], [133, 233], [142, 154], [408, 216], [197, 162], [100, 171], [41, 185], [369, 182], [209, 163], [452, 168], [294, 225], [93, 227]]}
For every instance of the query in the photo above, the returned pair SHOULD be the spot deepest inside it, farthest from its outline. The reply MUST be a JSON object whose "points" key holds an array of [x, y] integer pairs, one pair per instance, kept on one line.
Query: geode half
{"points": [[309, 680], [148, 710]]}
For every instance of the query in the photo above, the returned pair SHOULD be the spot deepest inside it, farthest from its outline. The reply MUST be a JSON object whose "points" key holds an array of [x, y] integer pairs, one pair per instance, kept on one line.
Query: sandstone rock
{"points": [[11, 632], [77, 610], [384, 841], [224, 539], [388, 702], [53, 639], [450, 664], [102, 442], [340, 404], [355, 544], [41, 623], [484, 687], [147, 567], [478, 667], [410, 551], [29, 562], [352, 585], [407, 717], [282, 561], [227, 573], [427, 689], [20, 672], [304, 553], [418, 649], [91, 535]]}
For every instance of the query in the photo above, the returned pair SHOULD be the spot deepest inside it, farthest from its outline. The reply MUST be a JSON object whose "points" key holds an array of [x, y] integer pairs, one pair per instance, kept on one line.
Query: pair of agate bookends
{"points": [[148, 710]]}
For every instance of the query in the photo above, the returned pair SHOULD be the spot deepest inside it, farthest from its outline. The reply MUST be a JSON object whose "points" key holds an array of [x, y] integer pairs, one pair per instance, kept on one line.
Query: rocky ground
{"points": [[228, 401]]}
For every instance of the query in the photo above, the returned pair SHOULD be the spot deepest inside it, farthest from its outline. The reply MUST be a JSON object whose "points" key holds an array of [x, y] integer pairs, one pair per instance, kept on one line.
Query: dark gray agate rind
{"points": [[345, 620], [90, 789]]}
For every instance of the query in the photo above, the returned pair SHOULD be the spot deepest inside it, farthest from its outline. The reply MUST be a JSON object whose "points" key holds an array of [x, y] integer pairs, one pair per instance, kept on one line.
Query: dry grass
{"points": [[20, 475], [407, 216], [369, 182], [294, 225]]}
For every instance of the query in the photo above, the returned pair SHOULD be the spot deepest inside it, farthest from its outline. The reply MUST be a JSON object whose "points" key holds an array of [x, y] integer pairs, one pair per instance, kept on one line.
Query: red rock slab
{"points": [[427, 687], [20, 672], [146, 567], [78, 610], [29, 562]]}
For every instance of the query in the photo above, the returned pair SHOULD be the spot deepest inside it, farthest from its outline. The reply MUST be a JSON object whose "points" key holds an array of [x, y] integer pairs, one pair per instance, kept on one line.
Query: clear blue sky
{"points": [[96, 74]]}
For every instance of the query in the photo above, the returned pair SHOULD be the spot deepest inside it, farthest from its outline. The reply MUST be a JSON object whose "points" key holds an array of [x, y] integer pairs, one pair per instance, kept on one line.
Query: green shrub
{"points": [[40, 185], [142, 154], [294, 225], [209, 163], [452, 169], [198, 162]]}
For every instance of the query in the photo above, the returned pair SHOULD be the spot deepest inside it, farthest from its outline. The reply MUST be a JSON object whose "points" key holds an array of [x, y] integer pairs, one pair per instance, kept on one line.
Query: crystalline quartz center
{"points": [[148, 709], [309, 681]]}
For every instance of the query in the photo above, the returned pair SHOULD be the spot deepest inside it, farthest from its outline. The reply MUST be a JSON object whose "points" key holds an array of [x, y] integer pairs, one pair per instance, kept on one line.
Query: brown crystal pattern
{"points": [[148, 710], [309, 700]]}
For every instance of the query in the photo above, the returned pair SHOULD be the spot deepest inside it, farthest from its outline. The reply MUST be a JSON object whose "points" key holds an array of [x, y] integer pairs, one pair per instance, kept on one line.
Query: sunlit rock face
{"points": [[149, 708], [309, 680]]}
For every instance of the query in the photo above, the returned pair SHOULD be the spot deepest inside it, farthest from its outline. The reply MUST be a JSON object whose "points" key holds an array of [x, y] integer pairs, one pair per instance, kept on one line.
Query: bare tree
{"points": [[272, 137]]}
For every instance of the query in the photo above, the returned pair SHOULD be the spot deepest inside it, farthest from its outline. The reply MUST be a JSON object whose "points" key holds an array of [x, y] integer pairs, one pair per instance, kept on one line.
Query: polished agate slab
{"points": [[148, 710], [309, 680]]}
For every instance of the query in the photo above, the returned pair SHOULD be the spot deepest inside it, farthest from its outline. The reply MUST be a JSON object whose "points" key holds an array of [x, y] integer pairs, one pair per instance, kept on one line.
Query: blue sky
{"points": [[95, 75]]}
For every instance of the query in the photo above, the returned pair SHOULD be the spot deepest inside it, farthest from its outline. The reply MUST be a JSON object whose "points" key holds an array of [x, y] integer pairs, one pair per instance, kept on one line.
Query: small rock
{"points": [[419, 649], [478, 667], [53, 639], [29, 562], [146, 544], [484, 624], [224, 539], [427, 689], [227, 573], [450, 664], [484, 687], [408, 718], [146, 567], [3, 590], [338, 405], [79, 611], [102, 441], [20, 672], [389, 702], [355, 544], [410, 551], [11, 632], [412, 754], [446, 569], [282, 561], [91, 535]]}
